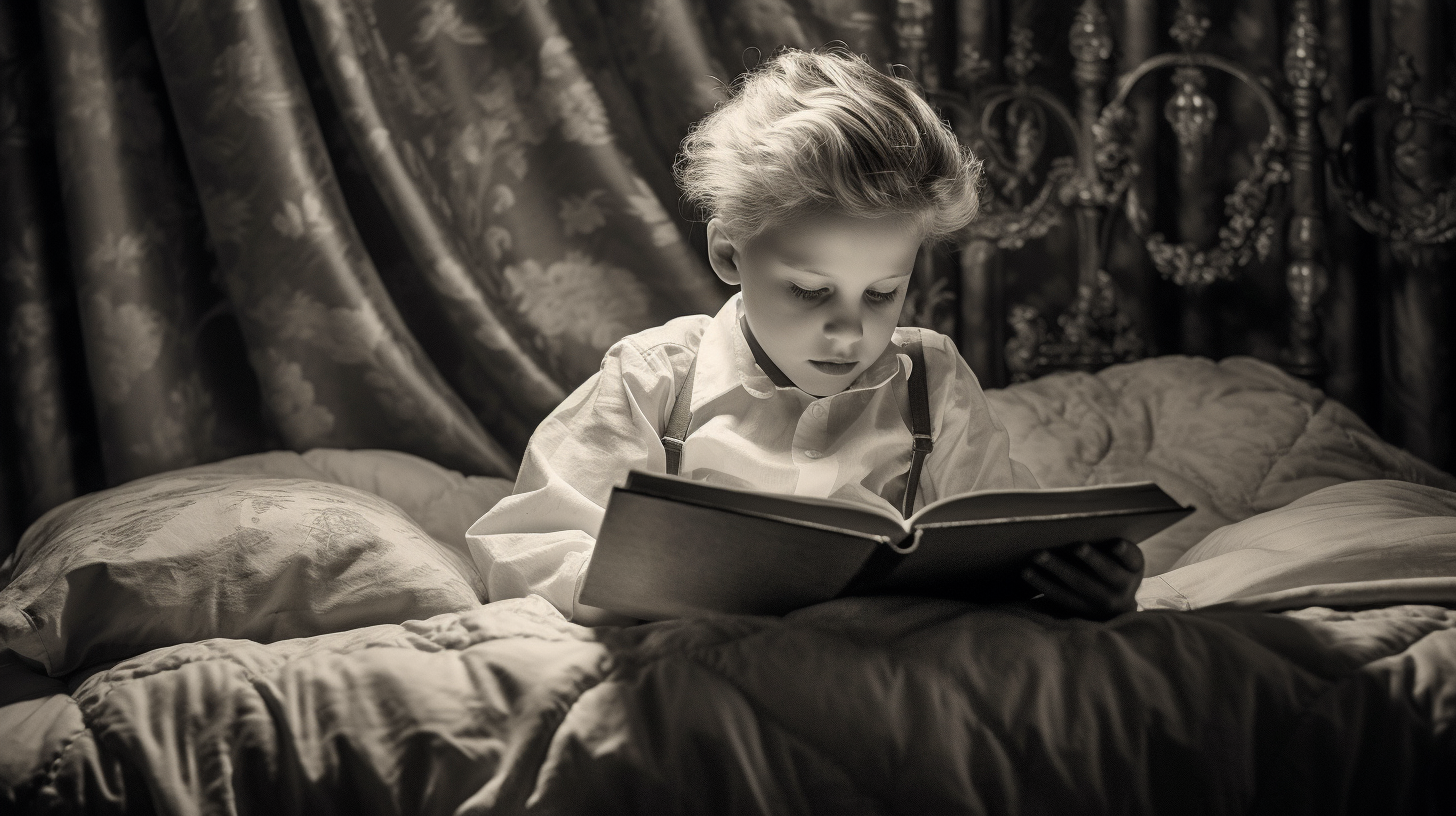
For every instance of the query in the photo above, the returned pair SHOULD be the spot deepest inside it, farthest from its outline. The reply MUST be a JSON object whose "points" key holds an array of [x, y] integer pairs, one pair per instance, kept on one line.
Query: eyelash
{"points": [[815, 294]]}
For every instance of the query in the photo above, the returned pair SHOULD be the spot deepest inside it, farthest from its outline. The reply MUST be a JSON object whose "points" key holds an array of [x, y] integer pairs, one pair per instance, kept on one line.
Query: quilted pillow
{"points": [[188, 556]]}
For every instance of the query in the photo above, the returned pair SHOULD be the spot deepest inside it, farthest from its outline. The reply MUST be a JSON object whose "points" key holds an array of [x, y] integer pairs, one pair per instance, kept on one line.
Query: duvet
{"points": [[1296, 653], [884, 706]]}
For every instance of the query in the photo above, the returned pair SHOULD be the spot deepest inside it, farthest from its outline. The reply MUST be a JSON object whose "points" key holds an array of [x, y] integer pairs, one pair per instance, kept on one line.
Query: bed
{"points": [[299, 633]]}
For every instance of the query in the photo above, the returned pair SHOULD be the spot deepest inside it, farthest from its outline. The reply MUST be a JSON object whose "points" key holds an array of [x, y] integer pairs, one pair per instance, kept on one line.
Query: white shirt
{"points": [[745, 432]]}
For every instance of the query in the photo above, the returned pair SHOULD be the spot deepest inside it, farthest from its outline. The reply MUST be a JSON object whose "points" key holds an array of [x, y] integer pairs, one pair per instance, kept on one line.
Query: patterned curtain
{"points": [[235, 225]]}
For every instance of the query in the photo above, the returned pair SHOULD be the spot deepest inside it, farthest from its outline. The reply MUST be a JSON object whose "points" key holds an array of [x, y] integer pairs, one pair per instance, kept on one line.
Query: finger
{"points": [[1130, 555], [1056, 592], [1075, 578], [1112, 571]]}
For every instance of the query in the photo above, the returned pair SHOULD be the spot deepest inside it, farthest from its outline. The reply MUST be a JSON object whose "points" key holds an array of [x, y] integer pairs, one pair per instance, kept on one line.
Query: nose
{"points": [[844, 325]]}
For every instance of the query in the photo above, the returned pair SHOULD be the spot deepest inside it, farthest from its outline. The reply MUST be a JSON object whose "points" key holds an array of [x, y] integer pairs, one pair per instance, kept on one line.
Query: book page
{"points": [[962, 554], [989, 505], [832, 513]]}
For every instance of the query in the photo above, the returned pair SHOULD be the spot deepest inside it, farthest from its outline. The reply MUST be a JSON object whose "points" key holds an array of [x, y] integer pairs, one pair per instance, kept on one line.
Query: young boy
{"points": [[822, 177]]}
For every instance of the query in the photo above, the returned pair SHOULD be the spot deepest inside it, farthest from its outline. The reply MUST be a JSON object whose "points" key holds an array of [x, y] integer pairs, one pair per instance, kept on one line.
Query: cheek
{"points": [[883, 320], [769, 310], [777, 320], [790, 336]]}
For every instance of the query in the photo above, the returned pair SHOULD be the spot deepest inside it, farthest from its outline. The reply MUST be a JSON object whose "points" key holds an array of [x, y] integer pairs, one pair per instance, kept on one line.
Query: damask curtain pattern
{"points": [[39, 449], [157, 362], [235, 225], [409, 224]]}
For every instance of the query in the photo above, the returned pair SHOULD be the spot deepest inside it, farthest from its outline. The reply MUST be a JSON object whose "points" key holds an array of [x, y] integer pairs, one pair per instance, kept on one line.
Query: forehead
{"points": [[841, 246]]}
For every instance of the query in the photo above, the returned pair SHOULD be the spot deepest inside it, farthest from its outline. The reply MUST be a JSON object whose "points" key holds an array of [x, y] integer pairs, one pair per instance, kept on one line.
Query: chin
{"points": [[821, 385]]}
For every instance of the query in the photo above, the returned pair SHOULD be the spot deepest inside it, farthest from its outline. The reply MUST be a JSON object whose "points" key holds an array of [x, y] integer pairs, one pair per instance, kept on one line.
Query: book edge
{"points": [[888, 515], [753, 514], [1143, 483], [1134, 511]]}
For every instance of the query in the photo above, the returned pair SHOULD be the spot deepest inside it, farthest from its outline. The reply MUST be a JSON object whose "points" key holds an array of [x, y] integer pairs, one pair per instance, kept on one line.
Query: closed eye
{"points": [[807, 294], [880, 297]]}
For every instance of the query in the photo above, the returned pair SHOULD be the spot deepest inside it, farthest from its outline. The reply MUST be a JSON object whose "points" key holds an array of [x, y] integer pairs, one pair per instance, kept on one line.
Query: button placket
{"points": [[809, 437]]}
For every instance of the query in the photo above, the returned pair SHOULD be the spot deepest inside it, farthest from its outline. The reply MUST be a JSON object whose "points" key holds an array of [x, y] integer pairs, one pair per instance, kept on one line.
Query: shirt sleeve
{"points": [[972, 448], [539, 539]]}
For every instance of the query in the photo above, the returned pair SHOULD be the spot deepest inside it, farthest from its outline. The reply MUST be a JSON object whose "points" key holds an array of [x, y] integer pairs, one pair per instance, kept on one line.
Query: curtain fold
{"points": [[469, 126], [337, 366], [171, 389], [45, 438]]}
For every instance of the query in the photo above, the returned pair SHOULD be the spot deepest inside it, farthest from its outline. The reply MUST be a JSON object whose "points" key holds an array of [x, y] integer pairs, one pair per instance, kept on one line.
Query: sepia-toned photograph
{"points": [[466, 407]]}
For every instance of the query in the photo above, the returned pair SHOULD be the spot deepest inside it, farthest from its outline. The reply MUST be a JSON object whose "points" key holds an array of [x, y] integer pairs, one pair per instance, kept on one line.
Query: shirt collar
{"points": [[725, 362]]}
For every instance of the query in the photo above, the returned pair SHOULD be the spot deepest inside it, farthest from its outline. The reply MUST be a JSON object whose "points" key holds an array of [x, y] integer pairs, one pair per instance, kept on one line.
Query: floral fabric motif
{"points": [[401, 224], [578, 297]]}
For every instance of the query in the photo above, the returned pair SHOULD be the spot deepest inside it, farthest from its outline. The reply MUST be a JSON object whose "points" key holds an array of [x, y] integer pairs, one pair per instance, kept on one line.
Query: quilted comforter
{"points": [[1196, 705], [884, 706]]}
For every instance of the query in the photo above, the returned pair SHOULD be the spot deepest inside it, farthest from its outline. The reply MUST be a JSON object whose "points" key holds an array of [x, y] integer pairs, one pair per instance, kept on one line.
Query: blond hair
{"points": [[824, 132]]}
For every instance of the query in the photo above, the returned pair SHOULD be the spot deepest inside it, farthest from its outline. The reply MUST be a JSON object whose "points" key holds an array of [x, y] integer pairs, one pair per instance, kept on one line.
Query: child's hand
{"points": [[1093, 580]]}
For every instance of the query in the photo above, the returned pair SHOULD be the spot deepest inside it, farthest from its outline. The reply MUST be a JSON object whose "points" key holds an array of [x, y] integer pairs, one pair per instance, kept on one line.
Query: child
{"points": [[822, 177]]}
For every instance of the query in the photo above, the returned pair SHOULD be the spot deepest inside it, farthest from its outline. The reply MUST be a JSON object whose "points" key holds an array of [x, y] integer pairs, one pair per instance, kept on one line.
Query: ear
{"points": [[723, 254]]}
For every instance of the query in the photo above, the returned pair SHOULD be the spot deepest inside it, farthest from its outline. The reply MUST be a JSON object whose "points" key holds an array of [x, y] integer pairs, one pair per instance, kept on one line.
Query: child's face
{"points": [[822, 295]]}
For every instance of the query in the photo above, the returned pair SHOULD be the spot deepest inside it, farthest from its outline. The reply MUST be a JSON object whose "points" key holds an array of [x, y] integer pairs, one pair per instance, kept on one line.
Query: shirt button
{"points": [[816, 410], [812, 454]]}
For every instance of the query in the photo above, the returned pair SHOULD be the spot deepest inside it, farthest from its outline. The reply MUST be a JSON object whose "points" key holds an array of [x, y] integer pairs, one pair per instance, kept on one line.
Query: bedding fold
{"points": [[880, 705]]}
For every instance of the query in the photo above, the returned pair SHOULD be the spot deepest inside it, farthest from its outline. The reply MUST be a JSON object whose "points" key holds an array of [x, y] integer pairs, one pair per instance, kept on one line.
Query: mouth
{"points": [[832, 367]]}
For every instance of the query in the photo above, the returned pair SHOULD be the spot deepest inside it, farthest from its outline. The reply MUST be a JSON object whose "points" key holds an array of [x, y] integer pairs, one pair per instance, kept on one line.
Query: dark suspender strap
{"points": [[884, 559], [682, 417], [919, 423]]}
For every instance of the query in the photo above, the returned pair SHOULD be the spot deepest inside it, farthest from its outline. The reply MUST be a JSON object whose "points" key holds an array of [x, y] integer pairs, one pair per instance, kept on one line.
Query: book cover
{"points": [[672, 547]]}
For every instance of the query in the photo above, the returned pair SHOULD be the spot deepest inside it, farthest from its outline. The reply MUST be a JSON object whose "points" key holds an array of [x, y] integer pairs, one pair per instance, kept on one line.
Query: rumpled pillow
{"points": [[443, 502], [193, 555], [1351, 544]]}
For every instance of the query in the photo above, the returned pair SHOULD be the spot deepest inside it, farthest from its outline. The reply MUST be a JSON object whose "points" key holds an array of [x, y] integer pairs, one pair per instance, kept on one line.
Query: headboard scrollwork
{"points": [[1065, 189], [1250, 223], [1008, 126], [1433, 220]]}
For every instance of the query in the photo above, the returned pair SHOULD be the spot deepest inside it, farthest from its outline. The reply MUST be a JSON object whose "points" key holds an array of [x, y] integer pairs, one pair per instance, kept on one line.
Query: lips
{"points": [[832, 367]]}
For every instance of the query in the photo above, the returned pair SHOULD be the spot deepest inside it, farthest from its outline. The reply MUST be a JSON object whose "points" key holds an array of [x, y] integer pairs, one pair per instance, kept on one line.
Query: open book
{"points": [[671, 547]]}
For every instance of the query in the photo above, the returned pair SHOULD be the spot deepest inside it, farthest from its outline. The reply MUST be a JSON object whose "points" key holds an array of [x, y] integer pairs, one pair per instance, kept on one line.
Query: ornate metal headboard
{"points": [[1065, 192], [1007, 126], [1431, 219], [1011, 124]]}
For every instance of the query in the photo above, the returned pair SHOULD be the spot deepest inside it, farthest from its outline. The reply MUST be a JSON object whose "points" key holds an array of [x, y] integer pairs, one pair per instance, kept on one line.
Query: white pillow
{"points": [[1359, 542], [192, 555]]}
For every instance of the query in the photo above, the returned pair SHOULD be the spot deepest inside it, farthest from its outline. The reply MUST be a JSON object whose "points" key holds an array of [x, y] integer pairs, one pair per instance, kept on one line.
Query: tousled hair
{"points": [[824, 132]]}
